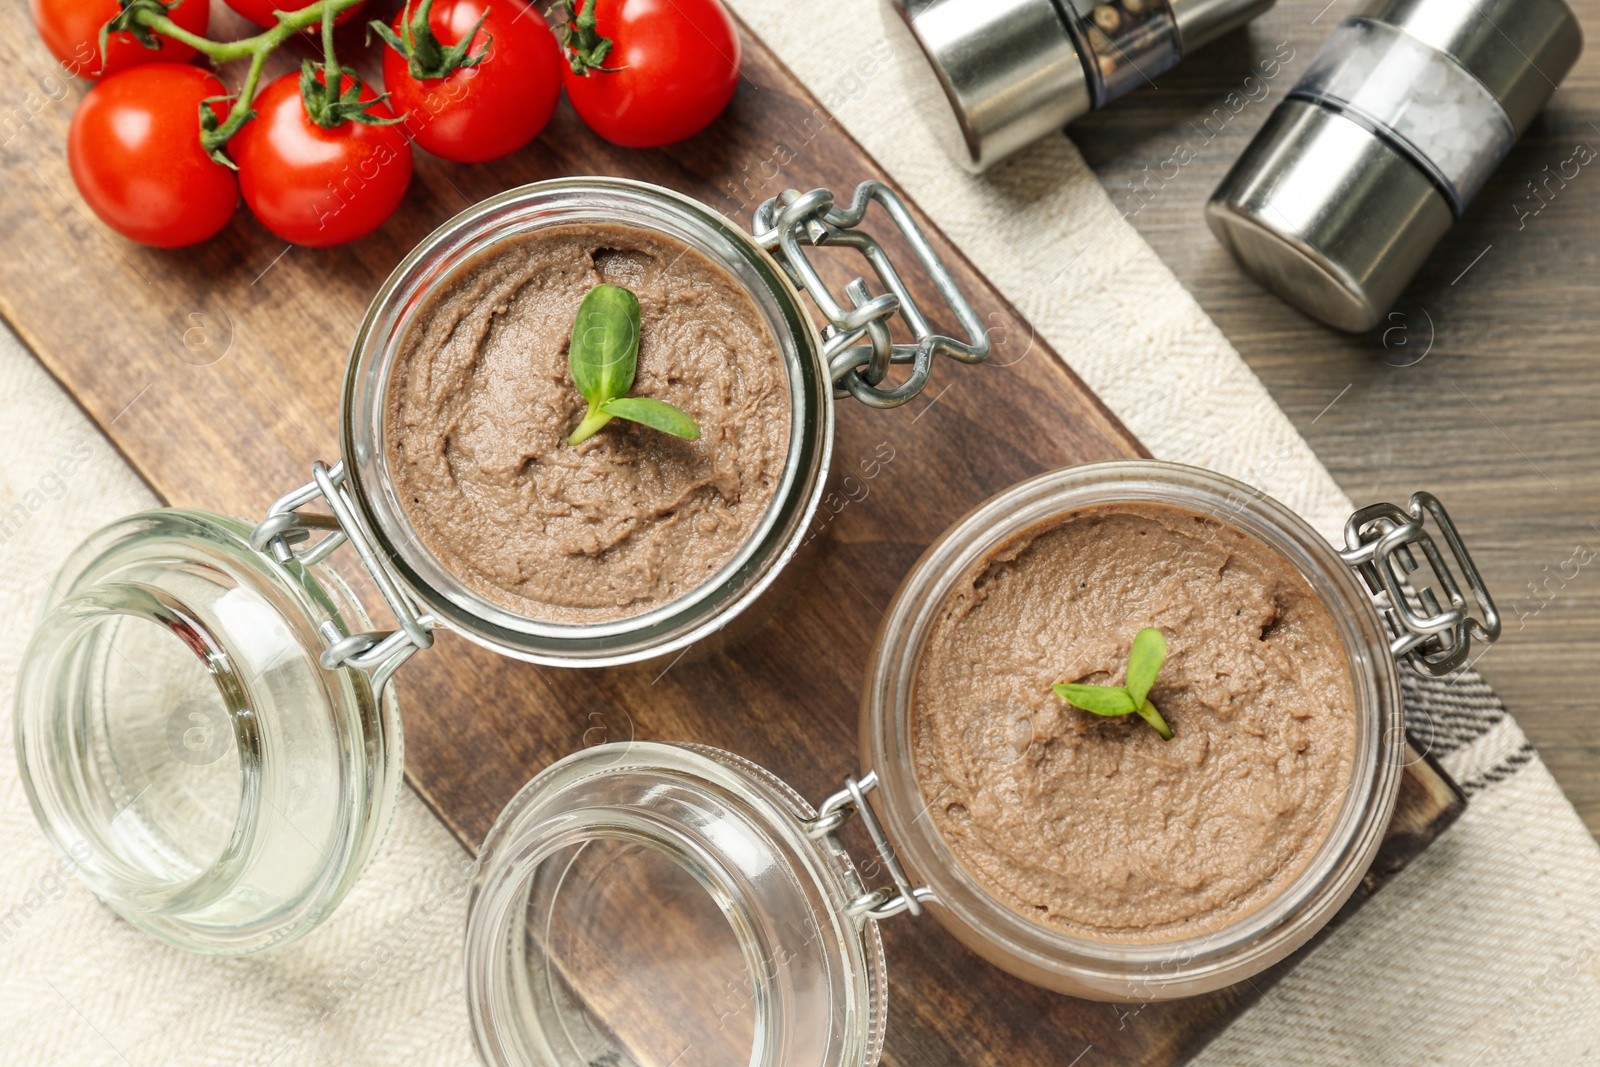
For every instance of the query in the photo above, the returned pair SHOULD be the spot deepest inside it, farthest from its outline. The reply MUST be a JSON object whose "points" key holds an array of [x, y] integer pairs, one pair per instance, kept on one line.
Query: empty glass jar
{"points": [[180, 739]]}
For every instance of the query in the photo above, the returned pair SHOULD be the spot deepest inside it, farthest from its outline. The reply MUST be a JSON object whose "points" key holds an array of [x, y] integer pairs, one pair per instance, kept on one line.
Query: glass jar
{"points": [[653, 904], [1106, 970], [671, 626], [180, 739], [203, 720], [641, 901], [773, 269]]}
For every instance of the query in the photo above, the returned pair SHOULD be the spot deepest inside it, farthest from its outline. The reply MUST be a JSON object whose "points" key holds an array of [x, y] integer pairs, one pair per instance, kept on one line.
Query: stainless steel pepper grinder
{"points": [[1001, 74], [1394, 128]]}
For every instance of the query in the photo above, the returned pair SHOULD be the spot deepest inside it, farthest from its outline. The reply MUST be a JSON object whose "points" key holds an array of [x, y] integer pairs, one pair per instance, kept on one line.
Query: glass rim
{"points": [[711, 604], [1155, 969], [551, 814]]}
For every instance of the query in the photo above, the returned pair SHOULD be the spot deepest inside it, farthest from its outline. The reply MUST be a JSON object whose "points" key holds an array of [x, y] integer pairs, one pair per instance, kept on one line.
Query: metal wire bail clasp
{"points": [[377, 653], [787, 220], [1382, 541], [884, 902]]}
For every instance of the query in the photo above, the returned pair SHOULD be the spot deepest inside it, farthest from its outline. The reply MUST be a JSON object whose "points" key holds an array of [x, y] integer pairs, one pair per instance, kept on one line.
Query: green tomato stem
{"points": [[257, 48], [592, 424], [248, 93], [214, 141], [330, 65], [167, 28], [259, 45]]}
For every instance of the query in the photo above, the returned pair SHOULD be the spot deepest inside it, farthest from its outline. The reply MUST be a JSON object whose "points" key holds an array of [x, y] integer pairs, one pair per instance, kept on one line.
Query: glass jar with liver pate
{"points": [[638, 900], [203, 722]]}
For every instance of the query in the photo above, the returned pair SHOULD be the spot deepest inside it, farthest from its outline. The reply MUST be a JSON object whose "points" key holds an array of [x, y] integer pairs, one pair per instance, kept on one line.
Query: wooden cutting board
{"points": [[217, 370]]}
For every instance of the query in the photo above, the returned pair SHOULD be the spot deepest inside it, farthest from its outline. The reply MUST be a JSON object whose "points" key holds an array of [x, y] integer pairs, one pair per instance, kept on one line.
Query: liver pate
{"points": [[481, 401], [1095, 826]]}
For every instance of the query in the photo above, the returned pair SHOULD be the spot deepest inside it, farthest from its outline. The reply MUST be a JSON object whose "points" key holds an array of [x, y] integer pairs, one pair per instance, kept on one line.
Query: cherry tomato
{"points": [[672, 67], [260, 12], [316, 186], [71, 30], [134, 150], [484, 111]]}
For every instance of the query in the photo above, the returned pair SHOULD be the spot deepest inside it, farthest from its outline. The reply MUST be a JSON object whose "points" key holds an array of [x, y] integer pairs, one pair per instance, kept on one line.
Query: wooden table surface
{"points": [[1484, 389]]}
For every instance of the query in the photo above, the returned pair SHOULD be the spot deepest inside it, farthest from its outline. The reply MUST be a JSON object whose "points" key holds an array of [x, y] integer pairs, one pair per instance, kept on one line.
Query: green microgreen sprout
{"points": [[604, 357], [1149, 651]]}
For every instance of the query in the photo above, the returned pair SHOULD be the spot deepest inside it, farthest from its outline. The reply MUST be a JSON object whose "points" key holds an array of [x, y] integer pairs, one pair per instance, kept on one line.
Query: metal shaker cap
{"points": [[1398, 122], [1202, 21], [1000, 74]]}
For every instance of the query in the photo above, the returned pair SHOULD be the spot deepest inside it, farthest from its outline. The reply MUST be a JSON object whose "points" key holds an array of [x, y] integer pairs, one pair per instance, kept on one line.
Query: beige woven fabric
{"points": [[1479, 953], [378, 984]]}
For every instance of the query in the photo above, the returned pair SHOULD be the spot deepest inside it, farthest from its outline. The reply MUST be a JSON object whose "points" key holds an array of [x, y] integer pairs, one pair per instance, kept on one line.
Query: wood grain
{"points": [[217, 373], [1501, 418]]}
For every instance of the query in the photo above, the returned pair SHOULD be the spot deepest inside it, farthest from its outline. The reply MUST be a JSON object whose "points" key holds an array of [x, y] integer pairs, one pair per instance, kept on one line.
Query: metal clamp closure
{"points": [[1380, 540], [787, 220], [883, 902], [376, 653]]}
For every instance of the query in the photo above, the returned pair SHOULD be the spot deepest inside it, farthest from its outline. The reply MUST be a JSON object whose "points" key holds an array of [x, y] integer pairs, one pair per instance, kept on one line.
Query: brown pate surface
{"points": [[481, 402], [1095, 826]]}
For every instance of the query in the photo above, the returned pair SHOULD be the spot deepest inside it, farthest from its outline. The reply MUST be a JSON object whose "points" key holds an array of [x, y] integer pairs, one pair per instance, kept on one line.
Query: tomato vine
{"points": [[143, 18]]}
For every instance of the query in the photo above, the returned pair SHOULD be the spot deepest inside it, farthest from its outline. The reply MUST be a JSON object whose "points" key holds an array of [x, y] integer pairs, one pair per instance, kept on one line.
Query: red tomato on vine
{"points": [[644, 73], [321, 166], [135, 154], [475, 79], [71, 30]]}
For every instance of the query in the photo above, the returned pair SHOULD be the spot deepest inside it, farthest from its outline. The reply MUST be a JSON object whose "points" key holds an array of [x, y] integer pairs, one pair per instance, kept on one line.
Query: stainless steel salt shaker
{"points": [[1000, 74], [1395, 127]]}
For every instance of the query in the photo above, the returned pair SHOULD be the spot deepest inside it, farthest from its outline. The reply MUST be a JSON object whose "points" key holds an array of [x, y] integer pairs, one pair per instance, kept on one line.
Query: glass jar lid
{"points": [[652, 904], [181, 742]]}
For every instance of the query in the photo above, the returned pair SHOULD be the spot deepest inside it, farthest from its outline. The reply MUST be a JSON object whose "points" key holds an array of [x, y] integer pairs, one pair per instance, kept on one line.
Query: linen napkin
{"points": [[1481, 952]]}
